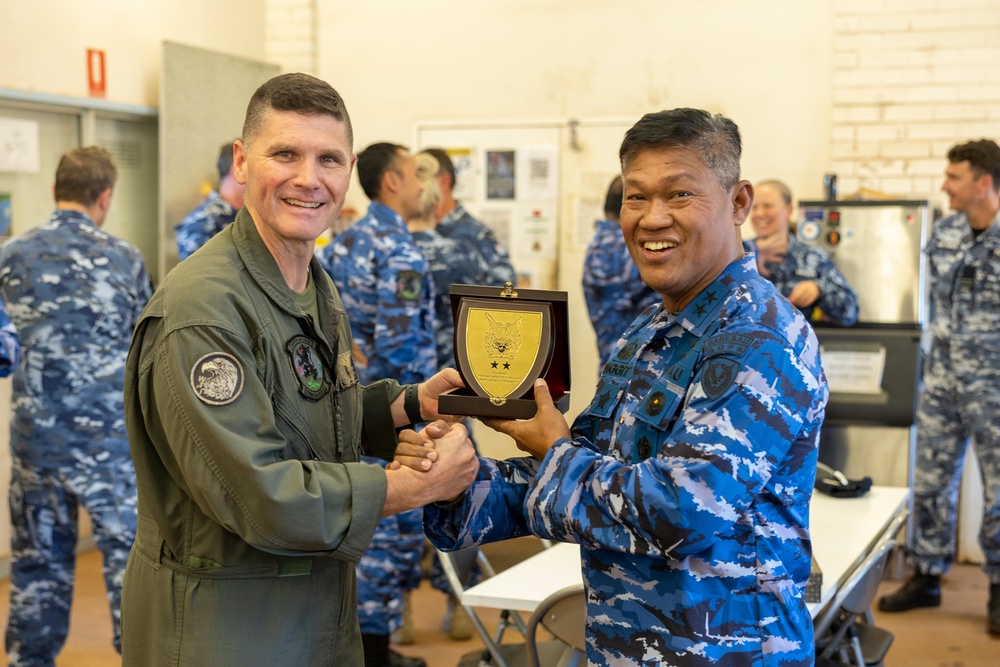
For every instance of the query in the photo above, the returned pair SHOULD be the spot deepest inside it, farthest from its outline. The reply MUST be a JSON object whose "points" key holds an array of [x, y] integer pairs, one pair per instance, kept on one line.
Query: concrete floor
{"points": [[952, 635]]}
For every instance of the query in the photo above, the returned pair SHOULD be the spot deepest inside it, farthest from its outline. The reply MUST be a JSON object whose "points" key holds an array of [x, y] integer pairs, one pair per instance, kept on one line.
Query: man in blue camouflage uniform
{"points": [[74, 293], [388, 296], [456, 223], [687, 481], [804, 274], [961, 395], [451, 262], [612, 286], [10, 345], [216, 211]]}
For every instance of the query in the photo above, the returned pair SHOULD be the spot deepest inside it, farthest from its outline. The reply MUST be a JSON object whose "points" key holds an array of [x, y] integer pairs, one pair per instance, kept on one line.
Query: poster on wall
{"points": [[540, 178], [19, 147], [535, 230], [5, 215], [586, 212], [499, 222], [464, 187], [500, 174]]}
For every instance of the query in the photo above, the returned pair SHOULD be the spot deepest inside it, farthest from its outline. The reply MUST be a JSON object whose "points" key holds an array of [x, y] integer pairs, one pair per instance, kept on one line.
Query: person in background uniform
{"points": [[74, 293], [612, 287], [216, 211], [451, 262], [804, 274], [247, 419], [388, 295], [10, 345], [688, 479], [454, 222], [960, 400]]}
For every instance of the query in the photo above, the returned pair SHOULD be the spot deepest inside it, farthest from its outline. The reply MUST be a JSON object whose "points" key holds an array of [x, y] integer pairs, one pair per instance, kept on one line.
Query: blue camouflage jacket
{"points": [[461, 226], [75, 294], [612, 287], [451, 263], [205, 221], [388, 295], [965, 296], [10, 346], [837, 303], [686, 482]]}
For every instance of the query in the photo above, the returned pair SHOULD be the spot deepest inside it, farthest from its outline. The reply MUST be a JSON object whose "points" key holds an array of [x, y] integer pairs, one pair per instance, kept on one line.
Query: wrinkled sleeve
{"points": [[404, 348], [235, 462], [491, 509], [837, 299], [714, 461]]}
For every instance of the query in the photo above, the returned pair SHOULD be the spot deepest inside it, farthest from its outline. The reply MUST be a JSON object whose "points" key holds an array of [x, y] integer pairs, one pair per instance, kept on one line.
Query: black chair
{"points": [[845, 630]]}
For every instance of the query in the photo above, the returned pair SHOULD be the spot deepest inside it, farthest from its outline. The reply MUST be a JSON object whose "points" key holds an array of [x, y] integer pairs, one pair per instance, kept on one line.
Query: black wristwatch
{"points": [[411, 404]]}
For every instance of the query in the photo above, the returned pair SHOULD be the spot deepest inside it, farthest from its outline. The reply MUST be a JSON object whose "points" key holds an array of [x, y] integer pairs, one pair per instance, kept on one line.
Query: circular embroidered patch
{"points": [[217, 378]]}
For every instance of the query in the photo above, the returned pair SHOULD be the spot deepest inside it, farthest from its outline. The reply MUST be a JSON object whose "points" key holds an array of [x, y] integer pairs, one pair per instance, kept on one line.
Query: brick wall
{"points": [[291, 34], [911, 78]]}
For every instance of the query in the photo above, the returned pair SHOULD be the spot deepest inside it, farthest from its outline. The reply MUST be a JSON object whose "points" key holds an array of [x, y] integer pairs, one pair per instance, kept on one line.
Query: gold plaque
{"points": [[505, 339], [507, 346]]}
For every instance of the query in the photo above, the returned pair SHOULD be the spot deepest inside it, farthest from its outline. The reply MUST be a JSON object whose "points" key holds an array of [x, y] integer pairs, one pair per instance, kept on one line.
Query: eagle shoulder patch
{"points": [[217, 378]]}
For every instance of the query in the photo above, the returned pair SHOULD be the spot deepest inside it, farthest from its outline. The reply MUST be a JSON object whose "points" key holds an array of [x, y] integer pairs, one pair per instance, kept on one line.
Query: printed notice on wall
{"points": [[19, 145], [854, 371], [500, 175], [464, 187]]}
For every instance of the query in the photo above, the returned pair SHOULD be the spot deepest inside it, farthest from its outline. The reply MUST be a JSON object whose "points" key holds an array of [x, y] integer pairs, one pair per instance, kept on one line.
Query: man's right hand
{"points": [[450, 475]]}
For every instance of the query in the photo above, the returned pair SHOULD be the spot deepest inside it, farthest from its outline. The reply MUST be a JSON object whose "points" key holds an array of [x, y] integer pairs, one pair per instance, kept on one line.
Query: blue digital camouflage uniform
{"points": [[837, 303], [612, 287], [451, 263], [10, 345], [74, 293], [205, 221], [687, 484], [961, 395], [462, 227], [388, 295]]}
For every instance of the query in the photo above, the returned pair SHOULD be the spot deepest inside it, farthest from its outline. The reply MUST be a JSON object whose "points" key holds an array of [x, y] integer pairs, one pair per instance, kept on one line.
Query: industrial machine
{"points": [[873, 368]]}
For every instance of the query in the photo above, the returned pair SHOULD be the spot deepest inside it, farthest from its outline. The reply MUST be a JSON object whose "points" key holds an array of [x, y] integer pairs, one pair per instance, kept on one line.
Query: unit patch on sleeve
{"points": [[408, 284], [308, 367], [718, 376], [217, 378]]}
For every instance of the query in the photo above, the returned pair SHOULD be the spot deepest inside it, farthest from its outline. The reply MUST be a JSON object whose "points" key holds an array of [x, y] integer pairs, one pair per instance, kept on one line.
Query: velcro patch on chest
{"points": [[408, 285], [217, 378], [308, 367]]}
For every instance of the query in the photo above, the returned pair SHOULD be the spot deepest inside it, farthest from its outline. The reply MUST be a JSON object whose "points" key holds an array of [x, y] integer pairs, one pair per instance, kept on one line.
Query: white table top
{"points": [[843, 529]]}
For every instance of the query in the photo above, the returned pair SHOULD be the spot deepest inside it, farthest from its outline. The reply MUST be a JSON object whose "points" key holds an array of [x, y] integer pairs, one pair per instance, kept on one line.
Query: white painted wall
{"points": [[45, 42]]}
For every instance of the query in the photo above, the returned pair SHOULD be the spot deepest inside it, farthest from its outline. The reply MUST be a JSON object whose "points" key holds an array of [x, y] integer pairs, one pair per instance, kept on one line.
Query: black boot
{"points": [[993, 617], [920, 590], [397, 659], [376, 649]]}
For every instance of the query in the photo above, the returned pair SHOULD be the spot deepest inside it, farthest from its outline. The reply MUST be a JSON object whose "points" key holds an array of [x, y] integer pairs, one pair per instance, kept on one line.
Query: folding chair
{"points": [[564, 615], [495, 558], [845, 633]]}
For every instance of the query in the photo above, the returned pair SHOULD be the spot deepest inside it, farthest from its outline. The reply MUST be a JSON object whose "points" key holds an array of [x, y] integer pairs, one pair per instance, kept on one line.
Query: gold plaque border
{"points": [[545, 346]]}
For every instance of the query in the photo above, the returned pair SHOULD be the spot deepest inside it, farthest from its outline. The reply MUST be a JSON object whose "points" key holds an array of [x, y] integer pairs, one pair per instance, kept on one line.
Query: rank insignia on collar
{"points": [[719, 375], [308, 367], [217, 378]]}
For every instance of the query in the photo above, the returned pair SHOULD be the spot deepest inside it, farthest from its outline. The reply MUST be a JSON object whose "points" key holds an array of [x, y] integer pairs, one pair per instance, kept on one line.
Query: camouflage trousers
{"points": [[44, 507], [389, 567], [955, 411]]}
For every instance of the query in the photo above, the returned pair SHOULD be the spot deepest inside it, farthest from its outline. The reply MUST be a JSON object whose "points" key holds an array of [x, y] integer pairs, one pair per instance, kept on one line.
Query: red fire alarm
{"points": [[95, 73]]}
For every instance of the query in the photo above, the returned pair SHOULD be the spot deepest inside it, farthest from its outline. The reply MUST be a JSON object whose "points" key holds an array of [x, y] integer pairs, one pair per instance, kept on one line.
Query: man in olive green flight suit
{"points": [[246, 421]]}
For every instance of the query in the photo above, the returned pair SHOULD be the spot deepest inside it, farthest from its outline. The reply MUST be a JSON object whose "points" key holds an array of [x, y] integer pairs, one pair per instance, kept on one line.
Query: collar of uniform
{"points": [[68, 215], [455, 214], [387, 216], [704, 309], [264, 270]]}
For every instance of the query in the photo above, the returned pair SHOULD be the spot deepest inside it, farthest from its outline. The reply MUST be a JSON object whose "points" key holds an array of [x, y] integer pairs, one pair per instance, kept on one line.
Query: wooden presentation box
{"points": [[505, 339]]}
